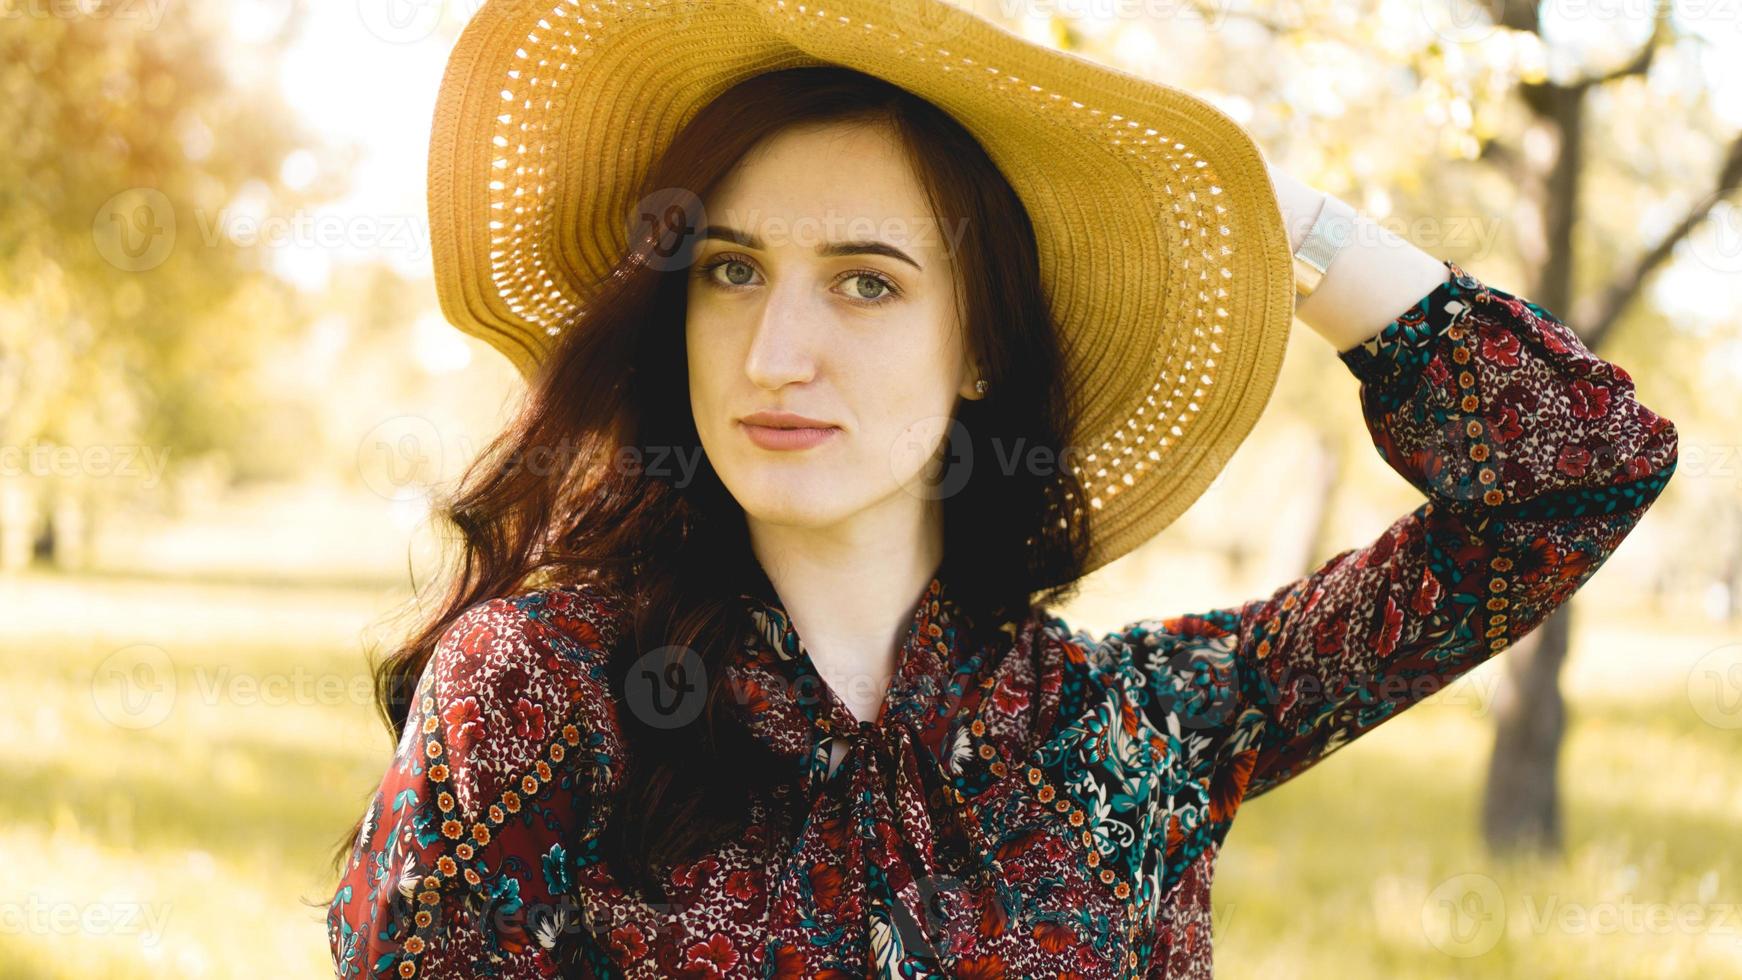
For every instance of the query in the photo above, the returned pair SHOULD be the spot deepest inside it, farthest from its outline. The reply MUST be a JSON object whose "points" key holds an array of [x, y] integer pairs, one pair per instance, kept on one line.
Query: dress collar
{"points": [[791, 708]]}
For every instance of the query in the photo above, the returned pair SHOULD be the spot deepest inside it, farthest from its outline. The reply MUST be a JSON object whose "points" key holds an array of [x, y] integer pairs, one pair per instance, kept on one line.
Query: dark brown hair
{"points": [[617, 382]]}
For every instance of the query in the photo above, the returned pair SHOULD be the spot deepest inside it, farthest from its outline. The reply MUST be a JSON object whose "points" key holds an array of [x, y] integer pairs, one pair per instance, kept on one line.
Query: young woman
{"points": [[896, 394]]}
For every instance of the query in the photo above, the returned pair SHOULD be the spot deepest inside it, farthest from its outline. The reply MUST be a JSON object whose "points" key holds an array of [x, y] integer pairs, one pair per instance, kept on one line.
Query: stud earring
{"points": [[980, 386]]}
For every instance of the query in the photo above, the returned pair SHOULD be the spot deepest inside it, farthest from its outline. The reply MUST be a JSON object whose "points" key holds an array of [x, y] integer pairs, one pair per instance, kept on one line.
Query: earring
{"points": [[980, 386]]}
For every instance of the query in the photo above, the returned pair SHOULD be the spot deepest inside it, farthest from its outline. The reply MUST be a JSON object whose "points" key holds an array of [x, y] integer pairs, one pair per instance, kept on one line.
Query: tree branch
{"points": [[1661, 35], [1606, 312]]}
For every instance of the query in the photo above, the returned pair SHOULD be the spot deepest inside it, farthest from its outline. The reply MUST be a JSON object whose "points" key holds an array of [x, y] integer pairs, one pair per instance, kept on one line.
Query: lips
{"points": [[786, 430], [785, 420]]}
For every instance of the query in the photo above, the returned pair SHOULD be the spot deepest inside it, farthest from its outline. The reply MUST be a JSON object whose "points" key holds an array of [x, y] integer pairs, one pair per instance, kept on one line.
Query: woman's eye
{"points": [[877, 287], [867, 288], [737, 273]]}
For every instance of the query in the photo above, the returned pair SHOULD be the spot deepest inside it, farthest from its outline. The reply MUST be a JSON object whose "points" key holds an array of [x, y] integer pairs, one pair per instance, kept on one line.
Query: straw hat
{"points": [[1162, 245]]}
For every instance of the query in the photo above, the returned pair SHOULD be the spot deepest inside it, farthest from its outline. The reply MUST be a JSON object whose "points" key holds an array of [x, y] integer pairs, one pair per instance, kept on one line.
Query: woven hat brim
{"points": [[1161, 240]]}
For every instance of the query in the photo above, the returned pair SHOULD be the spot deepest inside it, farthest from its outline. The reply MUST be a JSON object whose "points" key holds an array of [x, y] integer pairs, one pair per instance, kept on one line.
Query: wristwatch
{"points": [[1331, 230]]}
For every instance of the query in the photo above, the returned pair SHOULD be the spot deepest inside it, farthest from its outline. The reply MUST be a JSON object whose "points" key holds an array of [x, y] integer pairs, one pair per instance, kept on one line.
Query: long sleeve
{"points": [[468, 846], [1536, 461]]}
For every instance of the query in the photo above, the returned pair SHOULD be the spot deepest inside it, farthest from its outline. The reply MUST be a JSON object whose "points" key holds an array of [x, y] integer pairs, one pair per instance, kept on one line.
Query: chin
{"points": [[792, 501]]}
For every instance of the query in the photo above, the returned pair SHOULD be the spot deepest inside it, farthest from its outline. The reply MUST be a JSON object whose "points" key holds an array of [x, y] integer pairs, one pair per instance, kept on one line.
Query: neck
{"points": [[850, 589]]}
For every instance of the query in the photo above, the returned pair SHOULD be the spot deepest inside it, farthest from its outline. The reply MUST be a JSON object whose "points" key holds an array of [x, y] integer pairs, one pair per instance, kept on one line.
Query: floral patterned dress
{"points": [[1049, 805]]}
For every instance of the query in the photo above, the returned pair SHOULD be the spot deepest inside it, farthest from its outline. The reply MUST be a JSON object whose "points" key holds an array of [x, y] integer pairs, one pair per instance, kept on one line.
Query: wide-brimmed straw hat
{"points": [[1162, 246]]}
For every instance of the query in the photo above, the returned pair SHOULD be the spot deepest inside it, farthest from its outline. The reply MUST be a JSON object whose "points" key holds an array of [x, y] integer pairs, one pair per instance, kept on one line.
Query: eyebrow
{"points": [[827, 250]]}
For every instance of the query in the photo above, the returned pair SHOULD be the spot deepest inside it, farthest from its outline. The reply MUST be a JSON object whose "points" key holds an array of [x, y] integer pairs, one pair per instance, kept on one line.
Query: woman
{"points": [[617, 757]]}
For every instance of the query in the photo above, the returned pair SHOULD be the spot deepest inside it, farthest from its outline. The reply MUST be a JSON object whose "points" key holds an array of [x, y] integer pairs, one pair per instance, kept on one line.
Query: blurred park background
{"points": [[226, 395]]}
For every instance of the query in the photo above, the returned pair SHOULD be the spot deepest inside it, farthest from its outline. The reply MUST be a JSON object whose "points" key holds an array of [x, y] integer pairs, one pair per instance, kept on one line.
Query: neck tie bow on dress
{"points": [[892, 806]]}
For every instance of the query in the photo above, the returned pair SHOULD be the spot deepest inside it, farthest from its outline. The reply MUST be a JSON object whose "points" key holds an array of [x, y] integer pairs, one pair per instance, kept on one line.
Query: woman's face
{"points": [[867, 343]]}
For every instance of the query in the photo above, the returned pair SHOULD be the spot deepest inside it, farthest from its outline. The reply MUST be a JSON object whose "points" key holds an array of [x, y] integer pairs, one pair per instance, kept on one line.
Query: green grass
{"points": [[210, 828]]}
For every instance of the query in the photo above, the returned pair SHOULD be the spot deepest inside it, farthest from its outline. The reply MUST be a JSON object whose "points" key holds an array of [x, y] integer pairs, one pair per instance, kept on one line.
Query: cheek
{"points": [[706, 365], [905, 416]]}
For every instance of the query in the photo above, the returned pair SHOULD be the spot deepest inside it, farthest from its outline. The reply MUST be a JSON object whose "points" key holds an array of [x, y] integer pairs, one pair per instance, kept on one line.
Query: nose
{"points": [[781, 347]]}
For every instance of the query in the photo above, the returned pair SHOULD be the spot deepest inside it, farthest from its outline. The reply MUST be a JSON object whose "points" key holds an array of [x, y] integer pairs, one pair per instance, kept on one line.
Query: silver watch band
{"points": [[1332, 229]]}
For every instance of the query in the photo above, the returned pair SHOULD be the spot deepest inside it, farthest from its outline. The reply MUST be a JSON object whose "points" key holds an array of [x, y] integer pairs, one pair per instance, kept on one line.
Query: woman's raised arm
{"points": [[1536, 460]]}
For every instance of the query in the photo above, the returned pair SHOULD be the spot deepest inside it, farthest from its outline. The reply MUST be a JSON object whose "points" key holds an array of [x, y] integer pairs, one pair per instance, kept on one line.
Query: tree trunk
{"points": [[1521, 810]]}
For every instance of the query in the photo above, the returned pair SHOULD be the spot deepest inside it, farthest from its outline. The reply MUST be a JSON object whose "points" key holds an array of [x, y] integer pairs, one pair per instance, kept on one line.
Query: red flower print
{"points": [[1379, 550], [1505, 427], [1438, 373], [1552, 339], [465, 723], [826, 885], [1499, 345], [1538, 557], [1427, 596], [476, 642], [577, 627], [834, 832], [1329, 633], [714, 957], [980, 968], [627, 945], [994, 917], [687, 875], [1054, 937], [1391, 629], [528, 720], [1587, 400], [1009, 698], [789, 961], [1228, 787], [741, 884], [1637, 467], [1573, 460]]}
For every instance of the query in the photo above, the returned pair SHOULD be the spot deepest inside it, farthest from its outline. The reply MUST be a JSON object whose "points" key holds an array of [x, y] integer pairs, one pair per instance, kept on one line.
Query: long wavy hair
{"points": [[616, 384]]}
